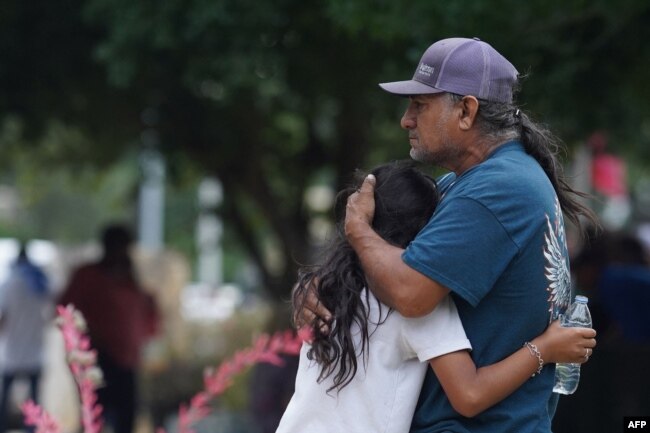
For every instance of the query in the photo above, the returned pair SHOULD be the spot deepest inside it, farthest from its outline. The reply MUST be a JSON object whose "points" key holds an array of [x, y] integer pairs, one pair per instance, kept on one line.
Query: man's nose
{"points": [[408, 120]]}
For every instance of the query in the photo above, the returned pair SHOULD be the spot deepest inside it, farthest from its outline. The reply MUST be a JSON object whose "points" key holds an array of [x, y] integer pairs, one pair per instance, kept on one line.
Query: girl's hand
{"points": [[312, 311], [559, 344]]}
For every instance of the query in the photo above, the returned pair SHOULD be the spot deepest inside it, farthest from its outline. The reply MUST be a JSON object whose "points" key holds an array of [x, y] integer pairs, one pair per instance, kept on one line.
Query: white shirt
{"points": [[22, 329], [382, 396]]}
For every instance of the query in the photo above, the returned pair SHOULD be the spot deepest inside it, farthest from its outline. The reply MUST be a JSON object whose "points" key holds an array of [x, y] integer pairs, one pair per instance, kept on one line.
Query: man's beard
{"points": [[446, 154], [441, 157]]}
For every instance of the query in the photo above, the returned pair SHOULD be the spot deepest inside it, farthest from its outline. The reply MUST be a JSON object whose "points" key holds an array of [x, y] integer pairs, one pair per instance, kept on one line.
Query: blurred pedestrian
{"points": [[121, 317], [609, 183], [24, 313], [611, 269]]}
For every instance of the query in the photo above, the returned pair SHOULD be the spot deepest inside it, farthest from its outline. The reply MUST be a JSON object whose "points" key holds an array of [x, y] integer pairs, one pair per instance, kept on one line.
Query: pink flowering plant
{"points": [[82, 361], [42, 421], [264, 349]]}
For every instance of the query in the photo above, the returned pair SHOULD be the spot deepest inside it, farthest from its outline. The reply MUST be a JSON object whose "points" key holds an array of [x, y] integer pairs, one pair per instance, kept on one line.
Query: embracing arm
{"points": [[394, 282], [471, 390]]}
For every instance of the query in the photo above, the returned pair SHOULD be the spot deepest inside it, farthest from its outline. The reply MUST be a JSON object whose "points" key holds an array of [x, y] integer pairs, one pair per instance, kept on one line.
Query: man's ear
{"points": [[469, 108]]}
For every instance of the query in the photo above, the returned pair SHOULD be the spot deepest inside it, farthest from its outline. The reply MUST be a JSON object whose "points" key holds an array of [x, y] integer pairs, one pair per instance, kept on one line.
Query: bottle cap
{"points": [[582, 299]]}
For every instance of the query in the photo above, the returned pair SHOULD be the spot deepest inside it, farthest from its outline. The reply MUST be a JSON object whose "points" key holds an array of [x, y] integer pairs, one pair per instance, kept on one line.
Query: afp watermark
{"points": [[636, 424]]}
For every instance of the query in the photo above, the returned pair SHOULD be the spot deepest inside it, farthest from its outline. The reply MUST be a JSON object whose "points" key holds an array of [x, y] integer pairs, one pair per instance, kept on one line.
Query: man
{"points": [[496, 241], [121, 317]]}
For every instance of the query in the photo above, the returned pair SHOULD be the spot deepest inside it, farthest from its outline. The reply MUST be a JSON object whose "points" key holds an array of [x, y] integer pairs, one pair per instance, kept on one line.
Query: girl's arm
{"points": [[471, 390]]}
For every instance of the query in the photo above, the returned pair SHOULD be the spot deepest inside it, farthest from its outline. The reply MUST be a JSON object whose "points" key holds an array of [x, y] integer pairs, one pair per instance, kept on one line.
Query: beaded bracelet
{"points": [[534, 351]]}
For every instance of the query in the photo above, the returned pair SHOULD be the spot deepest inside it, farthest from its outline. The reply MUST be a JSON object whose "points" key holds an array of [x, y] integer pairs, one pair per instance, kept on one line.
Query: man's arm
{"points": [[394, 282]]}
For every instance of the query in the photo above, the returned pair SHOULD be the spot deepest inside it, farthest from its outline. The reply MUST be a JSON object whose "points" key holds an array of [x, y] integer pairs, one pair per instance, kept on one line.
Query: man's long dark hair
{"points": [[506, 121], [405, 199]]}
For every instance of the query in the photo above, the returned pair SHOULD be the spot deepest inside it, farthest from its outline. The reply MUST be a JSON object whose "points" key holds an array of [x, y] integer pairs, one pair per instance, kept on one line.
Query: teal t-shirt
{"points": [[497, 241]]}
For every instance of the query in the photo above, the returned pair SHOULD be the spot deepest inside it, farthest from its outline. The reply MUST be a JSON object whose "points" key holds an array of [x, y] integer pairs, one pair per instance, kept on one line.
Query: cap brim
{"points": [[407, 88]]}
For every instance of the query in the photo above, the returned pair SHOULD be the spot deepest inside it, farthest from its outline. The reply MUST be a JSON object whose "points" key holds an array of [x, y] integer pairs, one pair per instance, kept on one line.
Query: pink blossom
{"points": [[81, 361], [264, 349], [36, 417], [88, 377]]}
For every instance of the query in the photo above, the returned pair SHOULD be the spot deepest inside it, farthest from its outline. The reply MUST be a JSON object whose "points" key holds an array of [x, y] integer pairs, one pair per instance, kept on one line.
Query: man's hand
{"points": [[312, 312], [360, 207]]}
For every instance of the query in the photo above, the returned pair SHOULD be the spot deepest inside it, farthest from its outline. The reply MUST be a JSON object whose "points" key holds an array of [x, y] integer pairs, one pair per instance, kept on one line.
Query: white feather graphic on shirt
{"points": [[557, 269]]}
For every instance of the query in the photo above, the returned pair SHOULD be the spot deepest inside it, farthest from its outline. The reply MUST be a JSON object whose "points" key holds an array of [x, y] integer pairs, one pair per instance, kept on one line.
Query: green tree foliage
{"points": [[270, 95]]}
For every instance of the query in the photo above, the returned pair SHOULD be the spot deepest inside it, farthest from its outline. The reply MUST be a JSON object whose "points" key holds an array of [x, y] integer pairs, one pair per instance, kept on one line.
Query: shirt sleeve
{"points": [[438, 333], [463, 247]]}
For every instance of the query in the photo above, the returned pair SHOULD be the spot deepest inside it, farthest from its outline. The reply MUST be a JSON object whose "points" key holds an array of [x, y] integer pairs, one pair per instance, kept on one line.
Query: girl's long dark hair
{"points": [[405, 199]]}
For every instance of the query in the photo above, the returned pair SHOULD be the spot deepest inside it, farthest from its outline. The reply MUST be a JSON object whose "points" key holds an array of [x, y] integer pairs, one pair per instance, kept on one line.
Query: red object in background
{"points": [[608, 172]]}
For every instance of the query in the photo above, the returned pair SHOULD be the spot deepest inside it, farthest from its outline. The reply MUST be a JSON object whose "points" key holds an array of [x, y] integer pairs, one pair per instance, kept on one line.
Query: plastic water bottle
{"points": [[567, 375]]}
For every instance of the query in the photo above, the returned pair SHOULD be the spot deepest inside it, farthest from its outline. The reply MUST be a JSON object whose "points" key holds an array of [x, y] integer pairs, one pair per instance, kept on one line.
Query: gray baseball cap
{"points": [[462, 66]]}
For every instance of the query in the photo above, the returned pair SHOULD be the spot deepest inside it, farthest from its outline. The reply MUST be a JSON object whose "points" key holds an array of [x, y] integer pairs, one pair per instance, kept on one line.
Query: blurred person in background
{"points": [[121, 317], [609, 183], [24, 314], [612, 269]]}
